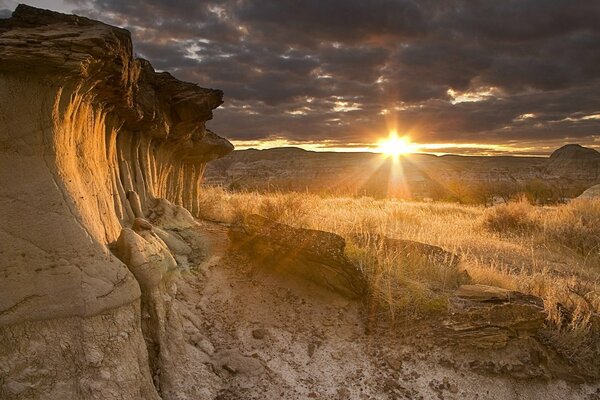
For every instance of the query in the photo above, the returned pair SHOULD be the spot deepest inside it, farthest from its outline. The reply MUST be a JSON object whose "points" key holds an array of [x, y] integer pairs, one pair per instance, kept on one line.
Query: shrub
{"points": [[291, 209], [516, 217], [404, 286]]}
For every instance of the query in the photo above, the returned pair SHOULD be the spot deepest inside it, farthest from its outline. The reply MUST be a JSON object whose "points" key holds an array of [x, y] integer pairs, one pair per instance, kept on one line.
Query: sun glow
{"points": [[395, 145]]}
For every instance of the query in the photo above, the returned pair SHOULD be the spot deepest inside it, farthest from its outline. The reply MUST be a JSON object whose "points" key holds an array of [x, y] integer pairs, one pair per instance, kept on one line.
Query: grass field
{"points": [[552, 252]]}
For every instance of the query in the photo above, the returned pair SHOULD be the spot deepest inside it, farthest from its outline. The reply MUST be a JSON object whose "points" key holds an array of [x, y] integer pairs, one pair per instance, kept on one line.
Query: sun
{"points": [[395, 145]]}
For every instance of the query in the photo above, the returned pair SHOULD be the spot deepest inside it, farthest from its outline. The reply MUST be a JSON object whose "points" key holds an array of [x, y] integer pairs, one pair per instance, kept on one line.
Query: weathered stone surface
{"points": [[235, 363], [146, 256], [314, 255], [99, 357], [90, 139], [487, 316]]}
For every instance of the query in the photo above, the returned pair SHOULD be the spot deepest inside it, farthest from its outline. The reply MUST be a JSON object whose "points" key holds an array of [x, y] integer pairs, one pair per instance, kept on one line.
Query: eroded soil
{"points": [[271, 336]]}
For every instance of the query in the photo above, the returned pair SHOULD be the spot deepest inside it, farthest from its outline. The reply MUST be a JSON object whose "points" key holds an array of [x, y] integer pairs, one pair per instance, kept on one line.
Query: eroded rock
{"points": [[309, 254], [234, 362], [91, 138], [146, 256], [488, 317]]}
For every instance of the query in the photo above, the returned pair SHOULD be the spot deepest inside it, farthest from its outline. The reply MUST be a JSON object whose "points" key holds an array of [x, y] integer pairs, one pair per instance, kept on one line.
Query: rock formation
{"points": [[487, 316], [91, 139], [575, 162], [313, 255]]}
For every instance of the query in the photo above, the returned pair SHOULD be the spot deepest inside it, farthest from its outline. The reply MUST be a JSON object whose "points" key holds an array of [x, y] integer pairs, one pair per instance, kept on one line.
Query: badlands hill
{"points": [[110, 288], [91, 138], [572, 167]]}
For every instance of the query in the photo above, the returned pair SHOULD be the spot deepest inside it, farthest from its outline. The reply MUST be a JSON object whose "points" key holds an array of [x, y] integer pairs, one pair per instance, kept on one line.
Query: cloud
{"points": [[343, 71]]}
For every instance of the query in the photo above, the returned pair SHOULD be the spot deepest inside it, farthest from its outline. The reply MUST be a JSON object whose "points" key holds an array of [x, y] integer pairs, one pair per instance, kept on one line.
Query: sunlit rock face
{"points": [[82, 125], [306, 254]]}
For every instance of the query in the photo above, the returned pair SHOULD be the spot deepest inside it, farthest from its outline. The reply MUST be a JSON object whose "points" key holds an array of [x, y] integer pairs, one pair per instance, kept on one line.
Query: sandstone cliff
{"points": [[90, 138]]}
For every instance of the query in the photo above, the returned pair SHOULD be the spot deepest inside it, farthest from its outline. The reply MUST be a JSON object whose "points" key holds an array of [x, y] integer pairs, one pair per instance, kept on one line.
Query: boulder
{"points": [[146, 256], [488, 317], [171, 216], [309, 254]]}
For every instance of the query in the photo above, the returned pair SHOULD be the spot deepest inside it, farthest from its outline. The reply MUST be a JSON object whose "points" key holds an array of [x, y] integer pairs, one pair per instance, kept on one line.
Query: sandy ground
{"points": [[270, 337]]}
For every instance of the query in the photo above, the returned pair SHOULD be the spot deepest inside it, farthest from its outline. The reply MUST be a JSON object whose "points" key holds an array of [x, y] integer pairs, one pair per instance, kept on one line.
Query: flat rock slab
{"points": [[488, 316], [305, 253]]}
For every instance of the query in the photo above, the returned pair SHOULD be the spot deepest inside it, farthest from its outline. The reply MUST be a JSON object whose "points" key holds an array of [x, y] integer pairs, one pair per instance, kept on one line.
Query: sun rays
{"points": [[395, 145]]}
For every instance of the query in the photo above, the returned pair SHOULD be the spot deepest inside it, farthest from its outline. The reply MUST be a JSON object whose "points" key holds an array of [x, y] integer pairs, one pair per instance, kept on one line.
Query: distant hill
{"points": [[571, 169], [591, 193], [574, 162]]}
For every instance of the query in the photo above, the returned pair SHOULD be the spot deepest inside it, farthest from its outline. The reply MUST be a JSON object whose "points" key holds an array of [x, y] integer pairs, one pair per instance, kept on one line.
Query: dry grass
{"points": [[551, 252], [514, 217]]}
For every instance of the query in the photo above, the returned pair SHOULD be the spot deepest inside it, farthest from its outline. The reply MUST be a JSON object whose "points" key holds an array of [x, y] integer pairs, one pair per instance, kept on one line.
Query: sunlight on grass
{"points": [[551, 252]]}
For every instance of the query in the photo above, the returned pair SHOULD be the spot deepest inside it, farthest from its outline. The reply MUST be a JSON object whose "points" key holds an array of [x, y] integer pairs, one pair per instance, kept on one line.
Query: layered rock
{"points": [[487, 316], [90, 139], [312, 255]]}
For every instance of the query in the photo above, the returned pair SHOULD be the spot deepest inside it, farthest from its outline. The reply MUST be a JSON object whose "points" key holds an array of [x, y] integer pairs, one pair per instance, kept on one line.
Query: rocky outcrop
{"points": [[313, 255], [487, 317], [90, 139], [575, 162]]}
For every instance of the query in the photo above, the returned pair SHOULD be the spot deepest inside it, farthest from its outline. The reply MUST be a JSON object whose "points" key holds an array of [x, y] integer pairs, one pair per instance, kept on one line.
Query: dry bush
{"points": [[399, 286], [213, 204], [514, 217], [289, 208], [240, 206]]}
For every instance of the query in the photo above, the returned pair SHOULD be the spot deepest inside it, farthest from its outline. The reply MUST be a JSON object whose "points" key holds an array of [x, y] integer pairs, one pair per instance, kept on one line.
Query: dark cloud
{"points": [[448, 71]]}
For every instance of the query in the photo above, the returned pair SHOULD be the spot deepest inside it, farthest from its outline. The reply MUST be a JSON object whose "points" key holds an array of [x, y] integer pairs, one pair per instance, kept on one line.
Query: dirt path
{"points": [[272, 337]]}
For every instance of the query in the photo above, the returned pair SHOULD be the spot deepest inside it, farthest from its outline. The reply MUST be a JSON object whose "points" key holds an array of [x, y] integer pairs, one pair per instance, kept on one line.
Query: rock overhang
{"points": [[67, 50]]}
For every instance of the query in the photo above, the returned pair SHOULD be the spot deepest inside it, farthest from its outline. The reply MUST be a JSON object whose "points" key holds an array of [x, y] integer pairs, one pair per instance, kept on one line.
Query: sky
{"points": [[461, 76]]}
